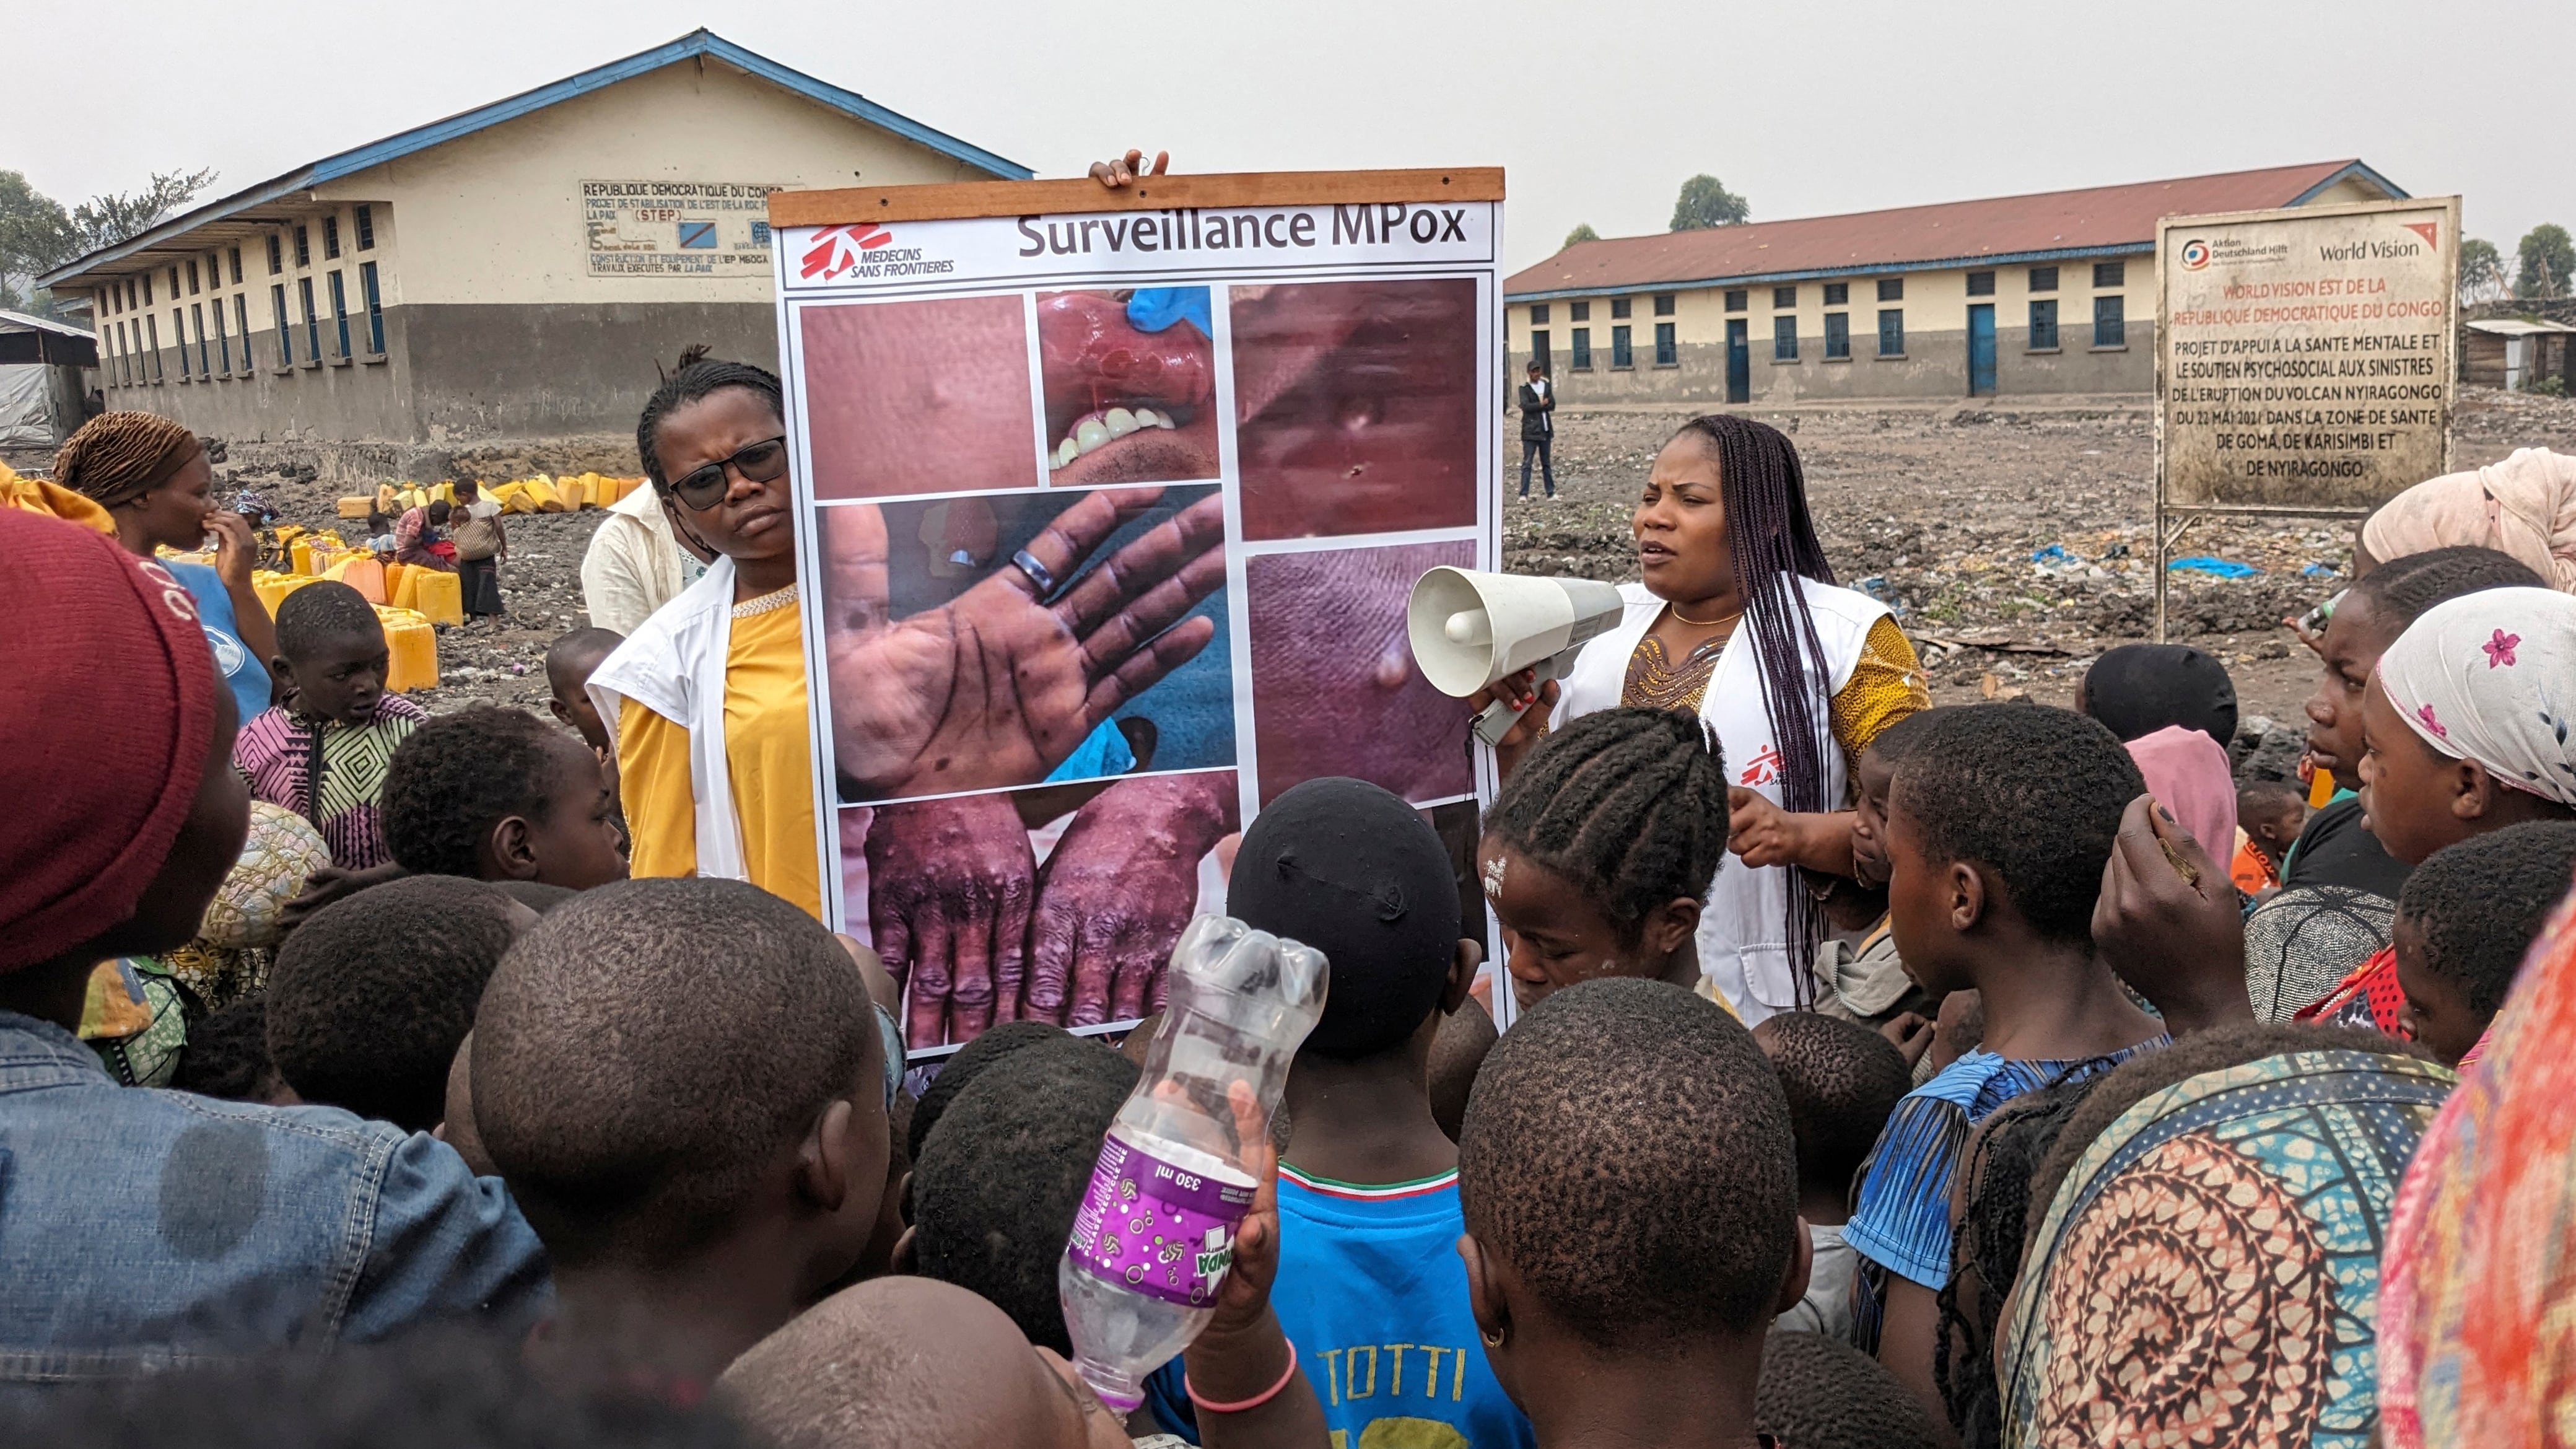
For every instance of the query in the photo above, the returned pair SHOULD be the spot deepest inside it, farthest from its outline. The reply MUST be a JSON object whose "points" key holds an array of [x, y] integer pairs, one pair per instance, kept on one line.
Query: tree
{"points": [[2546, 262], [104, 221], [1705, 202], [1582, 232], [35, 236], [2482, 276]]}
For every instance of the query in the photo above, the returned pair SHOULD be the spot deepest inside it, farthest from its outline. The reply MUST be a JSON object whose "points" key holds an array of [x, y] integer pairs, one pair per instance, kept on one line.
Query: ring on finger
{"points": [[1039, 574]]}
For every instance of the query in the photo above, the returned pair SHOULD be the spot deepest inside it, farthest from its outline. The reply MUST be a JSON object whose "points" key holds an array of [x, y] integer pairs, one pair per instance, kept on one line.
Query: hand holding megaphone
{"points": [[1471, 630]]}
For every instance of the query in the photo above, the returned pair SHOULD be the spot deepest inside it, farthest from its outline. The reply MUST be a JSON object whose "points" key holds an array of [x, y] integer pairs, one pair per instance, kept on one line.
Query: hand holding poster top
{"points": [[1117, 496]]}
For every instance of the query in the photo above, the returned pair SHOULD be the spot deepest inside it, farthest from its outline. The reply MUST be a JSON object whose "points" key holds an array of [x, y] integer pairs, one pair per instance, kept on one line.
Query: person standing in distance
{"points": [[1538, 427]]}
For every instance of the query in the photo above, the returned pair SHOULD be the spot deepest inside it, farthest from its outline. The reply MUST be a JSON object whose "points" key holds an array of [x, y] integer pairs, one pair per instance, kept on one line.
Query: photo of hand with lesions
{"points": [[988, 641], [1059, 903]]}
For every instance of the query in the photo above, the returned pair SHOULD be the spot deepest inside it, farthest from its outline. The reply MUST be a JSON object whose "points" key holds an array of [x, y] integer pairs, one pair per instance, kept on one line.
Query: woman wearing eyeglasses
{"points": [[706, 698]]}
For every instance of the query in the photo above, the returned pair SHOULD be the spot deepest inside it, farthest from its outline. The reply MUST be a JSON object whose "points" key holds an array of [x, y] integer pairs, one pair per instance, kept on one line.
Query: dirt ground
{"points": [[1938, 510]]}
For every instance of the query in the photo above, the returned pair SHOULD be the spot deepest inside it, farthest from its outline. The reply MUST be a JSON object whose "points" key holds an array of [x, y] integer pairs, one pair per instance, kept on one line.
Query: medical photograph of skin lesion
{"points": [[986, 641], [1059, 903], [1355, 406], [1335, 690], [918, 397], [1129, 379]]}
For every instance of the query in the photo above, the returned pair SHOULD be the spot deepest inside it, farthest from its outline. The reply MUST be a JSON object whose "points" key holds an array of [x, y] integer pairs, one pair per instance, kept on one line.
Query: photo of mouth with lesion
{"points": [[1130, 385]]}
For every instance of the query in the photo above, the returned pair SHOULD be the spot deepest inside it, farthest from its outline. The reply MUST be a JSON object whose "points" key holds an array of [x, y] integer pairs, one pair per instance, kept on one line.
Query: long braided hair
{"points": [[1628, 804], [1773, 540], [2002, 1165], [694, 378]]}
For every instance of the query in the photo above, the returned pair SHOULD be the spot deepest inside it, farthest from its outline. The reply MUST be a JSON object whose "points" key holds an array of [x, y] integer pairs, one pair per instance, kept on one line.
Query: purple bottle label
{"points": [[1160, 1229]]}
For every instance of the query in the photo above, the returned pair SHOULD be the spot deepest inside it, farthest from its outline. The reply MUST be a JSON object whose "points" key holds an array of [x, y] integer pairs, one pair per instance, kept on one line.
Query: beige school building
{"points": [[515, 271], [2050, 293]]}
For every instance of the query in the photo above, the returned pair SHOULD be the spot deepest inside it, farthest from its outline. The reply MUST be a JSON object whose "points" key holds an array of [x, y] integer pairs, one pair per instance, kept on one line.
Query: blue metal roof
{"points": [[2391, 189], [696, 43]]}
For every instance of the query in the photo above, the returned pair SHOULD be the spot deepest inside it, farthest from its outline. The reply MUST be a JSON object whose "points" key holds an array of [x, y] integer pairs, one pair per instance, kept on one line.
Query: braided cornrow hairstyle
{"points": [[694, 378], [1628, 804], [2002, 1163], [1773, 540]]}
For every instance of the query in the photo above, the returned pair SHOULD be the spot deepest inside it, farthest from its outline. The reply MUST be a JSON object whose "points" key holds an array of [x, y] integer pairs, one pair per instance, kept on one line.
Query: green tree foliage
{"points": [[1582, 232], [2482, 277], [2545, 263], [1705, 202], [35, 236], [104, 221], [38, 235]]}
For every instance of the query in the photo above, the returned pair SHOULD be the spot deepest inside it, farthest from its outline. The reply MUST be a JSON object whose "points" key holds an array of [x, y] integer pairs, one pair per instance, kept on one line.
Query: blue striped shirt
{"points": [[1903, 1220]]}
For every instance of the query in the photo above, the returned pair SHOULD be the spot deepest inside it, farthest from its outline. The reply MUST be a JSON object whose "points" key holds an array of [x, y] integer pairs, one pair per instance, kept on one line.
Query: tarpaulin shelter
{"points": [[41, 390]]}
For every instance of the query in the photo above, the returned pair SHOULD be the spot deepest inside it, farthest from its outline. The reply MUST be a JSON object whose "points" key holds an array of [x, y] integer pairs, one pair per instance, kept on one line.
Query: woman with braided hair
{"points": [[1738, 622], [152, 477]]}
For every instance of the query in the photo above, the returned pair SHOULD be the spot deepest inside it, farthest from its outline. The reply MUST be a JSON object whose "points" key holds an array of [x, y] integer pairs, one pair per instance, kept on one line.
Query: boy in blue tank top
{"points": [[1370, 1288]]}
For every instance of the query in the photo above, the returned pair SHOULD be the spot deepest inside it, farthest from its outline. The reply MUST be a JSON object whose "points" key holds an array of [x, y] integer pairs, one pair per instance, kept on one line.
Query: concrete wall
{"points": [[494, 325], [1935, 359]]}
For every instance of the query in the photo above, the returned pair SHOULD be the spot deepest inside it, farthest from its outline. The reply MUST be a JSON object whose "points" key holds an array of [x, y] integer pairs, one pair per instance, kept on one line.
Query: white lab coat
{"points": [[1743, 932]]}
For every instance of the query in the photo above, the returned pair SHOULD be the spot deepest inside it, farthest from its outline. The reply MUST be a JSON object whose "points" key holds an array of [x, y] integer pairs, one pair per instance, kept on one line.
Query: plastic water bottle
{"points": [[1155, 1234]]}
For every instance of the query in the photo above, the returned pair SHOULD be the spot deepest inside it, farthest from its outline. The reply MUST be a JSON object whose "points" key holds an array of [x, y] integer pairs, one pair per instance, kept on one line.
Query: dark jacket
{"points": [[1538, 414]]}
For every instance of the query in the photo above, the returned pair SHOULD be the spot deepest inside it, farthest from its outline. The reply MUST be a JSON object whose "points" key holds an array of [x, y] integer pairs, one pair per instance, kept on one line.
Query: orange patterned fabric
{"points": [[2478, 1305]]}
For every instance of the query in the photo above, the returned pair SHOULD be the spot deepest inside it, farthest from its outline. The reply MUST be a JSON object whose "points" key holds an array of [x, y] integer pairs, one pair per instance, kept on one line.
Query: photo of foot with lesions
{"points": [[1130, 383], [987, 641]]}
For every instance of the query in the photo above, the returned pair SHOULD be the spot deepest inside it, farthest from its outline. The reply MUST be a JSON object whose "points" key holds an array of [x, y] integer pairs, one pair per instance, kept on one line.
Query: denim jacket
{"points": [[141, 1229]]}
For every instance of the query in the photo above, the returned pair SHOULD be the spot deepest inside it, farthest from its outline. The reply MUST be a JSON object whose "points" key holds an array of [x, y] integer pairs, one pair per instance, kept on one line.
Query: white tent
{"points": [[41, 388]]}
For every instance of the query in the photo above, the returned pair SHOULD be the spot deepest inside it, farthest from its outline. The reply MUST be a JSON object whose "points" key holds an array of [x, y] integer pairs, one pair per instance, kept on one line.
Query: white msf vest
{"points": [[1743, 933]]}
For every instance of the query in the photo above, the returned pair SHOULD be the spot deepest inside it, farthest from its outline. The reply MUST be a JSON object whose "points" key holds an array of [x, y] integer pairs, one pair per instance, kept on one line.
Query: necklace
{"points": [[773, 600], [1681, 618]]}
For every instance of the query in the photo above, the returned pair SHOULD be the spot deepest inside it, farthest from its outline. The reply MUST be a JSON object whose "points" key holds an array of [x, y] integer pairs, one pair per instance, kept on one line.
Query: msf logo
{"points": [[836, 249]]}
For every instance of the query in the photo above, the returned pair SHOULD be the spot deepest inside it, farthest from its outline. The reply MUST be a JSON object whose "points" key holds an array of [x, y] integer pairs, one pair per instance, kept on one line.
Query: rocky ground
{"points": [[1947, 512]]}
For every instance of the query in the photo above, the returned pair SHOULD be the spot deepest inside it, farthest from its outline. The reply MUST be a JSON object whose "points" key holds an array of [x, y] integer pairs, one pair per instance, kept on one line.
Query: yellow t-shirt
{"points": [[768, 760]]}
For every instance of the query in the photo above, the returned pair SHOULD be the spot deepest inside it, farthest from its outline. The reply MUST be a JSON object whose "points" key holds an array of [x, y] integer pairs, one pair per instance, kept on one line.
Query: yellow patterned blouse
{"points": [[1886, 685]]}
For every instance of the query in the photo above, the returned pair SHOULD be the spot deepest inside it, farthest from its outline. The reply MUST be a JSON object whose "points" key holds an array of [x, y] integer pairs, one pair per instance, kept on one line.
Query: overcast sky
{"points": [[1598, 108]]}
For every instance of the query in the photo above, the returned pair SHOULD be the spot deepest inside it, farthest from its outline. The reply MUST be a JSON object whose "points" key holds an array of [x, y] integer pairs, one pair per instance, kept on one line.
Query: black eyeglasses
{"points": [[757, 463]]}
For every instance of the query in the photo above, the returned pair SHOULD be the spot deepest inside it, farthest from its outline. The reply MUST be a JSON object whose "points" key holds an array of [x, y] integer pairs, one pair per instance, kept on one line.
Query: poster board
{"points": [[2306, 360], [1108, 504]]}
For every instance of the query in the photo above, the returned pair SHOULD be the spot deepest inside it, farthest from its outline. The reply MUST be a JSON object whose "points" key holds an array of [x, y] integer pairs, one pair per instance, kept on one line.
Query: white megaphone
{"points": [[1470, 629]]}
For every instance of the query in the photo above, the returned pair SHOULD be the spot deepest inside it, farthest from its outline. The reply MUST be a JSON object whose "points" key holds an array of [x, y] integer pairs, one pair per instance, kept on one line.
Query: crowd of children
{"points": [[2090, 1139]]}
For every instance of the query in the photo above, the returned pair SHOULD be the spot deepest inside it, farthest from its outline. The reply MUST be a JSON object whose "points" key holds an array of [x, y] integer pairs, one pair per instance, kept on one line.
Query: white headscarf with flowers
{"points": [[2491, 677]]}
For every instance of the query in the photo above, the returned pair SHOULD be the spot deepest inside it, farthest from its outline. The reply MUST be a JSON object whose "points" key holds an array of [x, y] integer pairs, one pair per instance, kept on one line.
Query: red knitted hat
{"points": [[105, 720]]}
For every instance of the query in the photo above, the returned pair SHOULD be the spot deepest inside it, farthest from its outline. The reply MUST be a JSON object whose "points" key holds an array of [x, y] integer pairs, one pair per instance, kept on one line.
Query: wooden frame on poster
{"points": [[948, 201]]}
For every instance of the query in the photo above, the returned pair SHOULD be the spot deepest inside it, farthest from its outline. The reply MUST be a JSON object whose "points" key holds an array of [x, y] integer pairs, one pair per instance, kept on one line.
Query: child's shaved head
{"points": [[321, 615], [1654, 1202], [574, 654], [570, 661], [647, 1052], [904, 1362], [1843, 1081]]}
